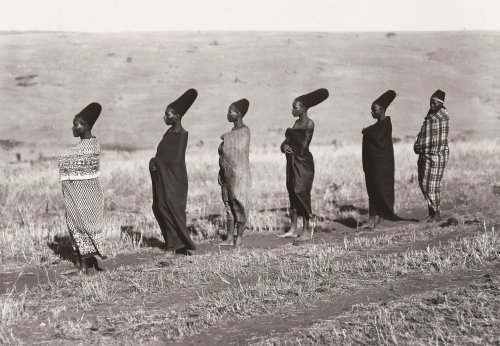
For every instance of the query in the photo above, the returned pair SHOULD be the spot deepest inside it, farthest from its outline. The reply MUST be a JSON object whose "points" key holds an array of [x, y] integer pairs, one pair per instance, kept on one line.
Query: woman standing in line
{"points": [[431, 146], [300, 162], [79, 169], [378, 163], [234, 174], [169, 177]]}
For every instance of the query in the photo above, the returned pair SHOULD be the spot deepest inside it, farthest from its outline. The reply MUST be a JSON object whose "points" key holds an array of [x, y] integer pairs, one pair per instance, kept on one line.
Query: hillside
{"points": [[48, 77]]}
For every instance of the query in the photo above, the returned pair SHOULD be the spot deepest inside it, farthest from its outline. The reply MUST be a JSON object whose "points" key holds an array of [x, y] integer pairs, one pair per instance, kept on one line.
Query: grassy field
{"points": [[163, 299], [405, 283]]}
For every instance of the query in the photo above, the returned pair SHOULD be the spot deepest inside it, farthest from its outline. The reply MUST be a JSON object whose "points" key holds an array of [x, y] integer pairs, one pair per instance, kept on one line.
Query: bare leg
{"points": [[435, 218], [229, 241], [79, 264], [305, 232], [292, 232], [431, 214], [84, 267], [241, 229], [306, 228]]}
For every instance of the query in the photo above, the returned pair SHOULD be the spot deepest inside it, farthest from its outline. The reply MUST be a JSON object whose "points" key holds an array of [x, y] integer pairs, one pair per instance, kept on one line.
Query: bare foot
{"points": [[427, 219], [369, 224], [228, 242], [435, 218], [300, 239], [307, 232], [169, 254], [70, 271], [290, 234], [431, 215], [237, 242]]}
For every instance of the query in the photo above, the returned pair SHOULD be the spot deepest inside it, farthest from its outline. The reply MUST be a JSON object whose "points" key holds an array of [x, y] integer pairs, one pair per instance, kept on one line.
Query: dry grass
{"points": [[33, 216], [11, 309], [230, 286], [466, 315]]}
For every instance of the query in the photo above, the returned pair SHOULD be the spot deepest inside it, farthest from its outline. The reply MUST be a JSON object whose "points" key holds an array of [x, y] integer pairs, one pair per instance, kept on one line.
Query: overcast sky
{"points": [[288, 15]]}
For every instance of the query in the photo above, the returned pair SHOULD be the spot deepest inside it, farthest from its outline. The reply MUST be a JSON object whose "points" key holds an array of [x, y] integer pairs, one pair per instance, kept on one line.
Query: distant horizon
{"points": [[243, 31]]}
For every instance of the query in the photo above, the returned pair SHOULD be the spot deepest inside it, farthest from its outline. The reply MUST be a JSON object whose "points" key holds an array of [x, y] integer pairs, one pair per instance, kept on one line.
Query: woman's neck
{"points": [[177, 127], [86, 135], [303, 118], [238, 123]]}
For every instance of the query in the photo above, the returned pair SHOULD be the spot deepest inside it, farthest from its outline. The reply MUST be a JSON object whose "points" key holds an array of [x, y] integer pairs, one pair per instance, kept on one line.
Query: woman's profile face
{"points": [[297, 108], [377, 111], [232, 114], [79, 127], [170, 116], [435, 104]]}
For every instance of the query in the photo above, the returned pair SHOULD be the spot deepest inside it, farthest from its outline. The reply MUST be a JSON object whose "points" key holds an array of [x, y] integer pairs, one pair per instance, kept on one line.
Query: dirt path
{"points": [[32, 276], [299, 316], [335, 233], [243, 331]]}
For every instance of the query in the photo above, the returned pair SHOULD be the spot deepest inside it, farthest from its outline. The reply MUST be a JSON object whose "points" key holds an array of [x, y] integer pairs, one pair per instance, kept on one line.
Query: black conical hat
{"points": [[90, 113], [439, 94], [241, 105], [386, 98], [313, 98], [182, 104]]}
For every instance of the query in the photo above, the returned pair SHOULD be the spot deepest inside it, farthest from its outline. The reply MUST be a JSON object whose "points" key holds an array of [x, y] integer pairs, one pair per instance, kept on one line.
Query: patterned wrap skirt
{"points": [[83, 200], [430, 173]]}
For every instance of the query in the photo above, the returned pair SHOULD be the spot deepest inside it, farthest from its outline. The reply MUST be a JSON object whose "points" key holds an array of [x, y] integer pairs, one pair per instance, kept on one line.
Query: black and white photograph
{"points": [[267, 172]]}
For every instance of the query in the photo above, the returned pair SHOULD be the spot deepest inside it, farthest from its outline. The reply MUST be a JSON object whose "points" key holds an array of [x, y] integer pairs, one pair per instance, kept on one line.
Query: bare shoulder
{"points": [[309, 124]]}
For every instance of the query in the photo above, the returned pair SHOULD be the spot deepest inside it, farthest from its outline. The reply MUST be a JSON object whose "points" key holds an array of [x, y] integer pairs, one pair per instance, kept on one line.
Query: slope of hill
{"points": [[48, 77]]}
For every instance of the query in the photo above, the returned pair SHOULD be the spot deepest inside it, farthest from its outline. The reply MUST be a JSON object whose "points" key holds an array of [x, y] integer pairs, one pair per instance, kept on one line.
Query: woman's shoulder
{"points": [[309, 124], [373, 126], [442, 114], [242, 128], [178, 132]]}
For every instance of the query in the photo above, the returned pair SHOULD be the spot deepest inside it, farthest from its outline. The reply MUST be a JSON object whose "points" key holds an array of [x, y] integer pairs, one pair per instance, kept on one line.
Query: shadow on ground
{"points": [[62, 247], [350, 207], [137, 238]]}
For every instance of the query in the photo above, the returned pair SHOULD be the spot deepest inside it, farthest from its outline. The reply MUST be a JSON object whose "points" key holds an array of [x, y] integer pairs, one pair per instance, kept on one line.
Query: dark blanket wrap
{"points": [[170, 187], [300, 170], [378, 165]]}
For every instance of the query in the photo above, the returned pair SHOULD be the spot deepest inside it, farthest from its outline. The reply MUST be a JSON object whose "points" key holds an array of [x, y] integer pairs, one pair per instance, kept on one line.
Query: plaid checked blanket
{"points": [[431, 145]]}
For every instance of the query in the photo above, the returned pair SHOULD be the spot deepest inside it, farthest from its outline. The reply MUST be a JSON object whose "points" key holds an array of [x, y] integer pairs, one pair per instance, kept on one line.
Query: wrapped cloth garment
{"points": [[299, 170], [81, 161], [378, 165], [83, 197], [234, 174], [170, 188], [431, 145]]}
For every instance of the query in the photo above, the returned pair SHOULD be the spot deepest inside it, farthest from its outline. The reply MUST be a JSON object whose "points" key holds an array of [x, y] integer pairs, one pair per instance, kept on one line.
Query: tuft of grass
{"points": [[97, 289], [12, 308]]}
